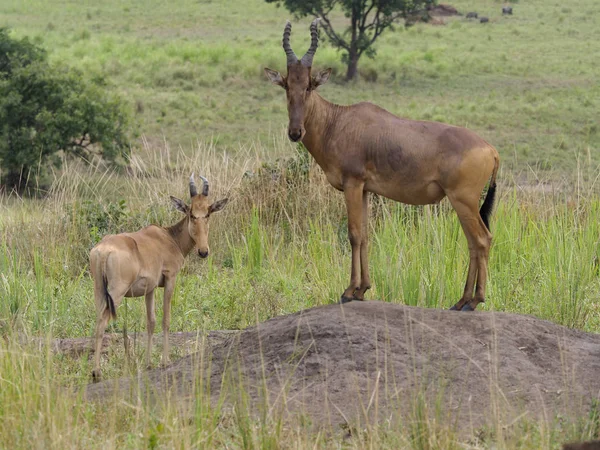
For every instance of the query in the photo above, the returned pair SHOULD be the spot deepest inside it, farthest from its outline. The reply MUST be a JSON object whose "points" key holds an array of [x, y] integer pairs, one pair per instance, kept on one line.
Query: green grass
{"points": [[193, 70], [192, 74]]}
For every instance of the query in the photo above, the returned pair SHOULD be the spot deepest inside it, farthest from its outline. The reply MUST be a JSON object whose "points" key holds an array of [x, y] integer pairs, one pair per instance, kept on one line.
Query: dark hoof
{"points": [[346, 300], [467, 307], [454, 308], [96, 376]]}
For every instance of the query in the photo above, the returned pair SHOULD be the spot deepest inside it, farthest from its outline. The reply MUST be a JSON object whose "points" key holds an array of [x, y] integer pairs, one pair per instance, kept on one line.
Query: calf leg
{"points": [[169, 288], [102, 318], [353, 193], [101, 322], [150, 324]]}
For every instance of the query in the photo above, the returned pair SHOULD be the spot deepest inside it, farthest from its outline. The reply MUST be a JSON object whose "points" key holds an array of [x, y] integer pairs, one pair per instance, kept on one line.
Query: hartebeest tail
{"points": [[110, 303], [363, 148], [135, 264], [488, 203]]}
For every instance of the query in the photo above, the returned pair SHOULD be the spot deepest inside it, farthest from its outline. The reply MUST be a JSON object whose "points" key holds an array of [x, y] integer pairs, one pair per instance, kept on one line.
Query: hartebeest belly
{"points": [[363, 148], [135, 264]]}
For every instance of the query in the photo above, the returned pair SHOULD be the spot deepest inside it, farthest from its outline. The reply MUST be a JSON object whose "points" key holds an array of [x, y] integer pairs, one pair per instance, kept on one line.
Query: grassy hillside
{"points": [[192, 70]]}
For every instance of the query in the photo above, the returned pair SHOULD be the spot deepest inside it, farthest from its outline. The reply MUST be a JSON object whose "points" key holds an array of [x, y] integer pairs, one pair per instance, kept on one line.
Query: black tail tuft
{"points": [[110, 303], [488, 204]]}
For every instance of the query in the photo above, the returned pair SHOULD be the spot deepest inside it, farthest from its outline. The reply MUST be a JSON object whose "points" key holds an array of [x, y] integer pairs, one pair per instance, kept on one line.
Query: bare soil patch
{"points": [[368, 360]]}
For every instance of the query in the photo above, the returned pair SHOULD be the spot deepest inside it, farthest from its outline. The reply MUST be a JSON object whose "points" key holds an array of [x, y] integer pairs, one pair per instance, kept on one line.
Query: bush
{"points": [[48, 111]]}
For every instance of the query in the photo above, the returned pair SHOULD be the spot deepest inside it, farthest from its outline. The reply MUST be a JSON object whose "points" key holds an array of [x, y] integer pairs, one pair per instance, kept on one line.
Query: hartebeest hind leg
{"points": [[169, 288], [150, 324], [102, 318], [479, 240], [353, 194]]}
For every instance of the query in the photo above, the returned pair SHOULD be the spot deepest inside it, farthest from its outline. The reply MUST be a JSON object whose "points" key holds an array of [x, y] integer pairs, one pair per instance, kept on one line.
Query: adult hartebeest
{"points": [[363, 148], [134, 264]]}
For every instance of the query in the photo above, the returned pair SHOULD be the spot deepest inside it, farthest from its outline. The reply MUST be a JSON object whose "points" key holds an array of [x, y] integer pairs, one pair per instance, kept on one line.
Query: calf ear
{"points": [[179, 204], [217, 206], [275, 77], [321, 78]]}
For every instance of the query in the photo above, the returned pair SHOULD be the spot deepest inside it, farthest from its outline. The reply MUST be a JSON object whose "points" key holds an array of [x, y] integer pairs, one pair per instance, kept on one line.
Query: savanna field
{"points": [[191, 73]]}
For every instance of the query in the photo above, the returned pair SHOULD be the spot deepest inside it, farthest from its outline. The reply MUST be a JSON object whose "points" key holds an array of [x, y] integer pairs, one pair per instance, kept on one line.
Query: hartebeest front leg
{"points": [[365, 282], [169, 288], [353, 193], [150, 324]]}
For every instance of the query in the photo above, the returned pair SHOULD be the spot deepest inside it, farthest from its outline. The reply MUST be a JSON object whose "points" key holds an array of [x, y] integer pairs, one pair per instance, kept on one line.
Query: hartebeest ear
{"points": [[179, 204], [321, 78], [217, 206], [275, 77]]}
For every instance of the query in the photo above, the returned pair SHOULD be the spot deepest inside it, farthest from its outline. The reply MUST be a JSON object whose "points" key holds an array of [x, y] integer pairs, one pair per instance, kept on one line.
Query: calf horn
{"points": [[205, 187], [307, 59], [193, 188], [291, 56]]}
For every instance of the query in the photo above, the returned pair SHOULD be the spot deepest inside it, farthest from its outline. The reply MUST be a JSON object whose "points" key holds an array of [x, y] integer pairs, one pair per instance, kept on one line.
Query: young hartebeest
{"points": [[134, 264], [363, 148]]}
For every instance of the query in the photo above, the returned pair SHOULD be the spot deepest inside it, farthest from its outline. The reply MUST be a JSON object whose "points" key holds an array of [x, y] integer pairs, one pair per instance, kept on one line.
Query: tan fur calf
{"points": [[135, 264]]}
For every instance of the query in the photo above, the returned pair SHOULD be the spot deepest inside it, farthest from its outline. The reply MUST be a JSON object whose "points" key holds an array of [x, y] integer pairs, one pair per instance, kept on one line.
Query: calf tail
{"points": [[488, 203], [110, 303]]}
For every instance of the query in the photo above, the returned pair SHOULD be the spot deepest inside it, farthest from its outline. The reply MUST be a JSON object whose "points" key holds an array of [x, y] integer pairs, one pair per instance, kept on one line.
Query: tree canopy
{"points": [[368, 20]]}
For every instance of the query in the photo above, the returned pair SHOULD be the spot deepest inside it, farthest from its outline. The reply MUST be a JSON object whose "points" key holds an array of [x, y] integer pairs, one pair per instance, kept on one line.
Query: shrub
{"points": [[48, 111]]}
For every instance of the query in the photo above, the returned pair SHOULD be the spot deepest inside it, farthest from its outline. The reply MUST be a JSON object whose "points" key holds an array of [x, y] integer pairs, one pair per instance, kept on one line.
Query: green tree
{"points": [[368, 20], [46, 111]]}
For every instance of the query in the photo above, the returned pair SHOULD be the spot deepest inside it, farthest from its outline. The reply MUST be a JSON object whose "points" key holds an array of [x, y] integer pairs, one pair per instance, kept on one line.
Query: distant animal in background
{"points": [[472, 15], [135, 264], [507, 10], [484, 20]]}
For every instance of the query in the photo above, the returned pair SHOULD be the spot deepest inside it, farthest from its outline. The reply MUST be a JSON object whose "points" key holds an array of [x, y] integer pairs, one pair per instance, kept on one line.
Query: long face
{"points": [[198, 224], [297, 90], [298, 84], [198, 213]]}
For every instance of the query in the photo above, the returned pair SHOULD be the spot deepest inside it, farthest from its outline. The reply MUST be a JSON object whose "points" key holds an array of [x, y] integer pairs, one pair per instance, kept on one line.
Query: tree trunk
{"points": [[352, 71]]}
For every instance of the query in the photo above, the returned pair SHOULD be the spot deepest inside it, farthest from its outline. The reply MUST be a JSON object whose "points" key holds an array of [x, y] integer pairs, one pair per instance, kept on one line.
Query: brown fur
{"points": [[135, 264], [364, 148]]}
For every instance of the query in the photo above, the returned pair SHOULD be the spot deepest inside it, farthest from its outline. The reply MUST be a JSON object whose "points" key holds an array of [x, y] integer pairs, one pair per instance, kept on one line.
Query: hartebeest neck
{"points": [[319, 116], [180, 234]]}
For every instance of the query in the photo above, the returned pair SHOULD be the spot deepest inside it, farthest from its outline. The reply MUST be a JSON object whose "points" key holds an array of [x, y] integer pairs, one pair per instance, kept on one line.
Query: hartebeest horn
{"points": [[205, 186], [193, 188], [291, 56], [314, 43]]}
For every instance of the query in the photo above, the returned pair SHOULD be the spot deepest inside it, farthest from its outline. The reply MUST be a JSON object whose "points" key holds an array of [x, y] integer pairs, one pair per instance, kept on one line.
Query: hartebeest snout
{"points": [[363, 148], [135, 264]]}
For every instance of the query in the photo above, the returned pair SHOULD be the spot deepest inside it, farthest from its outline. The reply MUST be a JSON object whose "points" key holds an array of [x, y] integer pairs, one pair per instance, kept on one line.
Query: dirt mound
{"points": [[366, 359], [186, 342]]}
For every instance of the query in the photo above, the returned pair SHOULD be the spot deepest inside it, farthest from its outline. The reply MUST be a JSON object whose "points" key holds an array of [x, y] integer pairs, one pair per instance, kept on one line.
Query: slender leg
{"points": [[150, 324], [101, 322], [479, 239], [365, 282], [353, 193], [169, 288]]}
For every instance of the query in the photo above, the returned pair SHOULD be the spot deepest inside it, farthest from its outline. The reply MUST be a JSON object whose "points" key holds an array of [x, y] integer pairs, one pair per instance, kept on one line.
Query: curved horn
{"points": [[193, 189], [205, 186], [291, 56], [314, 43]]}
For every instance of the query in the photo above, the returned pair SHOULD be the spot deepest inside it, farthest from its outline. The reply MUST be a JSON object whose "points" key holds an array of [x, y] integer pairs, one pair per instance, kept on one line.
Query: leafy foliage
{"points": [[46, 109], [368, 20]]}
